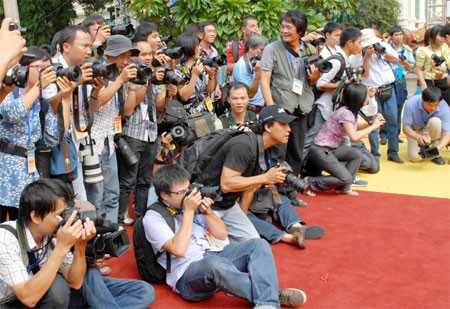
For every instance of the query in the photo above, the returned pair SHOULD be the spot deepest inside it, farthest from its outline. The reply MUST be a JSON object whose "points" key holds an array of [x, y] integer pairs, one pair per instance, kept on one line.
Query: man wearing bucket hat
{"points": [[376, 58], [113, 99]]}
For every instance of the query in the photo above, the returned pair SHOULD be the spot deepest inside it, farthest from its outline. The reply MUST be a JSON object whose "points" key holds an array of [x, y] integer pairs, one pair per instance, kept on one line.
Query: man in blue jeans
{"points": [[200, 263], [39, 271]]}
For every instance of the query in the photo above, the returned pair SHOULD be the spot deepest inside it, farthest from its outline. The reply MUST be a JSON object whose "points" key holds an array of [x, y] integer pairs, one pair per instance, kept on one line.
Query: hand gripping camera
{"points": [[216, 61], [73, 73], [143, 73], [323, 65], [428, 152], [292, 181], [213, 193], [108, 71], [17, 76]]}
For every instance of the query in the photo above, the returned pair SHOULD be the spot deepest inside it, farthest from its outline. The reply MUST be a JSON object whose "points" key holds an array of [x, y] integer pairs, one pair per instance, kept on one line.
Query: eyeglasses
{"points": [[38, 66], [180, 192]]}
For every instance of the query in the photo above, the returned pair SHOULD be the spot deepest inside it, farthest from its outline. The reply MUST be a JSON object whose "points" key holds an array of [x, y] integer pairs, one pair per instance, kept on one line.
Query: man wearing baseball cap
{"points": [[239, 168], [376, 58]]}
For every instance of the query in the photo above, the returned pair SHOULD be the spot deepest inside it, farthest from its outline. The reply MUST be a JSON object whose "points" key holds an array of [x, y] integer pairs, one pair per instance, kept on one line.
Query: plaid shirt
{"points": [[139, 126]]}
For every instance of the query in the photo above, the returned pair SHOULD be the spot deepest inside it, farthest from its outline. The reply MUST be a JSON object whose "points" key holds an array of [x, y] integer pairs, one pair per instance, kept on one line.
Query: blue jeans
{"points": [[341, 163], [287, 216], [401, 94], [105, 194], [389, 110], [246, 270], [110, 293]]}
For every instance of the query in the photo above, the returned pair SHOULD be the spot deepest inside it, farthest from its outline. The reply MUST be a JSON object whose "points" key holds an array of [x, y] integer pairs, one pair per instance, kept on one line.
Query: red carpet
{"points": [[379, 251]]}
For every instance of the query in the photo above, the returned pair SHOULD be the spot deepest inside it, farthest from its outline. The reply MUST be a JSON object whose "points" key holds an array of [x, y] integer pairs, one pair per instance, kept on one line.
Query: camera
{"points": [[401, 57], [254, 59], [213, 193], [215, 61], [14, 26], [143, 73], [379, 48], [126, 30], [92, 172], [170, 77], [438, 60], [109, 239], [73, 73], [323, 65], [318, 42], [174, 53], [428, 152], [166, 39], [17, 76], [292, 181], [108, 71], [354, 72], [182, 135], [125, 151]]}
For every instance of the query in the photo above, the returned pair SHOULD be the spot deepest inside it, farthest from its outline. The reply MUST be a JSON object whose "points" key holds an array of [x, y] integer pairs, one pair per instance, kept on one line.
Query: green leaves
{"points": [[378, 14]]}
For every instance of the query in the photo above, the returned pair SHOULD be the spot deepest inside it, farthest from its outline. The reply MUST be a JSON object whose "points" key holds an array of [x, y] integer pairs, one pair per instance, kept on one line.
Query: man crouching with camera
{"points": [[37, 267], [426, 123]]}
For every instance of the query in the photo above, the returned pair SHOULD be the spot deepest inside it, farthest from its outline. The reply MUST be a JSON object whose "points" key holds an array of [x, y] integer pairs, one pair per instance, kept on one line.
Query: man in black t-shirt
{"points": [[237, 170]]}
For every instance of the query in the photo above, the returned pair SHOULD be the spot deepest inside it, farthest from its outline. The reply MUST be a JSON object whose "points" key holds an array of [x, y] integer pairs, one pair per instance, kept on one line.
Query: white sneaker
{"points": [[128, 220], [359, 182]]}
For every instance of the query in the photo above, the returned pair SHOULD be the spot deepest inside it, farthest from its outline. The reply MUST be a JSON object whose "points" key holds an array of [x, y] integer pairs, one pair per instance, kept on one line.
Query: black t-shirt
{"points": [[240, 154]]}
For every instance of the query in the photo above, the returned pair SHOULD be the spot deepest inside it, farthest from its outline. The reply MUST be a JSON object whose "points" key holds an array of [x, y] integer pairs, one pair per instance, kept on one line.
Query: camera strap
{"points": [[247, 64], [88, 107], [260, 149]]}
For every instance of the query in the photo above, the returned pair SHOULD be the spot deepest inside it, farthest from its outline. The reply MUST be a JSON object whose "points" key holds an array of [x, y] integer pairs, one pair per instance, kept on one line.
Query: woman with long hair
{"points": [[329, 154]]}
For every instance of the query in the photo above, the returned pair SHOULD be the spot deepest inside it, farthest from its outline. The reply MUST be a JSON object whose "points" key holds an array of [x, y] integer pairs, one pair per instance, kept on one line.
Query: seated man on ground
{"points": [[40, 271], [426, 112], [200, 267]]}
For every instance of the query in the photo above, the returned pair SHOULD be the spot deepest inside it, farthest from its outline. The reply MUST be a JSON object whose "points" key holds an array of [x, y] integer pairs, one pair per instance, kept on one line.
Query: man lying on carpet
{"points": [[427, 112], [200, 264], [40, 271]]}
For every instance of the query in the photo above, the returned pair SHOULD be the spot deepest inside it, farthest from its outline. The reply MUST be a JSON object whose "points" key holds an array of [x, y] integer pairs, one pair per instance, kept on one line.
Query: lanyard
{"points": [[31, 124]]}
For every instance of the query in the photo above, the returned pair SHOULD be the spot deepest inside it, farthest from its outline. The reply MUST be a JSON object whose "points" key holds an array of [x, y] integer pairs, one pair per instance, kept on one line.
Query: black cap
{"points": [[274, 113]]}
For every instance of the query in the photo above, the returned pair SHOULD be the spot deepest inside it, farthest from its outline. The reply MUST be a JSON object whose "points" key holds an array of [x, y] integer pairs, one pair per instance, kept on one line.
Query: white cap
{"points": [[369, 37]]}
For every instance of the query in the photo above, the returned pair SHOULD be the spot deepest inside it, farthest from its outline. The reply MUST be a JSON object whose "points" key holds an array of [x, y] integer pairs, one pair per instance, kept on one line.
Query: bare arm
{"points": [[265, 87], [357, 135]]}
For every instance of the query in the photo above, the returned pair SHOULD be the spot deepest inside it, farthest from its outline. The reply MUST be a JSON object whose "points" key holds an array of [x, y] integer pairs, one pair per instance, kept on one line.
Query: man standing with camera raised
{"points": [[376, 58]]}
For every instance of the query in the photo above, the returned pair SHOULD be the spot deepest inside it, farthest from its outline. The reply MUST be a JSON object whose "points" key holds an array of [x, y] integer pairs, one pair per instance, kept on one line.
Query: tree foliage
{"points": [[227, 14], [378, 14]]}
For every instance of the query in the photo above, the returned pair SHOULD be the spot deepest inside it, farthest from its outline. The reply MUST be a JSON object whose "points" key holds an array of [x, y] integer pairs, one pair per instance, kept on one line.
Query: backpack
{"points": [[146, 260], [235, 50], [337, 77], [196, 158]]}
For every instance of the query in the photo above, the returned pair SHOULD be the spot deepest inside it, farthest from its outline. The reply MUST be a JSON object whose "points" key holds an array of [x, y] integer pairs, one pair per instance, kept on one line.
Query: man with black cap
{"points": [[238, 168], [109, 107]]}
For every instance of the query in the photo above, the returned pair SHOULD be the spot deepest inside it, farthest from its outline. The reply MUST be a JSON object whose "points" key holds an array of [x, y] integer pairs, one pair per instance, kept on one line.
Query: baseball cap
{"points": [[369, 38], [118, 44], [274, 113]]}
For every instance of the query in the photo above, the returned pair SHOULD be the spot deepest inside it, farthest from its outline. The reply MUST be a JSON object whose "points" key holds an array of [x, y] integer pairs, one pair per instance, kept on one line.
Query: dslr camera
{"points": [[318, 42], [293, 181], [438, 60], [108, 71], [401, 57], [379, 48], [323, 65], [109, 240], [428, 152], [215, 61], [254, 59], [354, 72], [166, 39], [170, 77], [126, 30], [73, 73], [173, 53], [14, 26], [17, 76], [213, 193], [143, 73]]}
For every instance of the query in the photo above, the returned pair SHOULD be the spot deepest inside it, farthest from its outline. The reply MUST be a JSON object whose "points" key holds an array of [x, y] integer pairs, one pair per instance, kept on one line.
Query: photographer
{"points": [[98, 29], [377, 57], [248, 69], [426, 111], [237, 169], [16, 47], [200, 265], [20, 130], [201, 79], [37, 268], [432, 62]]}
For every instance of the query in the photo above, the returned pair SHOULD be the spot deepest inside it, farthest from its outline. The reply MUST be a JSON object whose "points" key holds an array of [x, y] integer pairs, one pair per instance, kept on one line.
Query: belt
{"points": [[13, 149], [387, 85]]}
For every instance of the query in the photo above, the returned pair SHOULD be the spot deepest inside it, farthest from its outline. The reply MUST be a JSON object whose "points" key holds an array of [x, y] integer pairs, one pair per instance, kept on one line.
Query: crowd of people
{"points": [[120, 109]]}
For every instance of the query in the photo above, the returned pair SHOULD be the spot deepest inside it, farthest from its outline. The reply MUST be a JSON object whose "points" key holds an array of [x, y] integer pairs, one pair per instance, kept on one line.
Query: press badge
{"points": [[31, 160], [209, 104], [81, 135], [297, 87], [118, 124]]}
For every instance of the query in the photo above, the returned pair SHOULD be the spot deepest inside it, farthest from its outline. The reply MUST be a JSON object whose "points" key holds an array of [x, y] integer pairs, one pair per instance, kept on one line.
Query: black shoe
{"points": [[383, 141], [395, 159], [310, 232], [439, 161], [298, 202], [400, 141]]}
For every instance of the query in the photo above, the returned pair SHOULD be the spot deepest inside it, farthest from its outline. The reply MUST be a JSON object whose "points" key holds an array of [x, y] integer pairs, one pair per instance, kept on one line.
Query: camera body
{"points": [[354, 72], [74, 73], [125, 151], [126, 30], [438, 60], [14, 26], [254, 59], [428, 152], [95, 216], [166, 39], [318, 42], [401, 57], [173, 53], [170, 77], [143, 73], [379, 48], [109, 71], [215, 61], [323, 65], [293, 181], [17, 76], [92, 172], [213, 193]]}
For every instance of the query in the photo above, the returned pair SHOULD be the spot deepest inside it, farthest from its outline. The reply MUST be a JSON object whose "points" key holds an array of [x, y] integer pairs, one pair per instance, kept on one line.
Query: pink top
{"points": [[332, 131]]}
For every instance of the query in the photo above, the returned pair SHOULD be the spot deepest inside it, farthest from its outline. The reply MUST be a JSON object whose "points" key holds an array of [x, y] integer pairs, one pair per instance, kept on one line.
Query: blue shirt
{"points": [[417, 117], [242, 74]]}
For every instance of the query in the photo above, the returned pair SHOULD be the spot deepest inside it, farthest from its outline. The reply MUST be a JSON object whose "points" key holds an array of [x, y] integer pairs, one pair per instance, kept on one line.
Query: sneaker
{"points": [[347, 192], [291, 297], [383, 141], [359, 182], [128, 220]]}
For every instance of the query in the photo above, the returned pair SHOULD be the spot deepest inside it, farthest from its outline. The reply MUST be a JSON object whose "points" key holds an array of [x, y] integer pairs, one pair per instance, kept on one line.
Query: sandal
{"points": [[310, 193], [105, 270]]}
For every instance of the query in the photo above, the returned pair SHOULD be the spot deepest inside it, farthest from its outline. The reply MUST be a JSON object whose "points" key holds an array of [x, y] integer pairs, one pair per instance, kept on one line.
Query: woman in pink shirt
{"points": [[329, 154]]}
